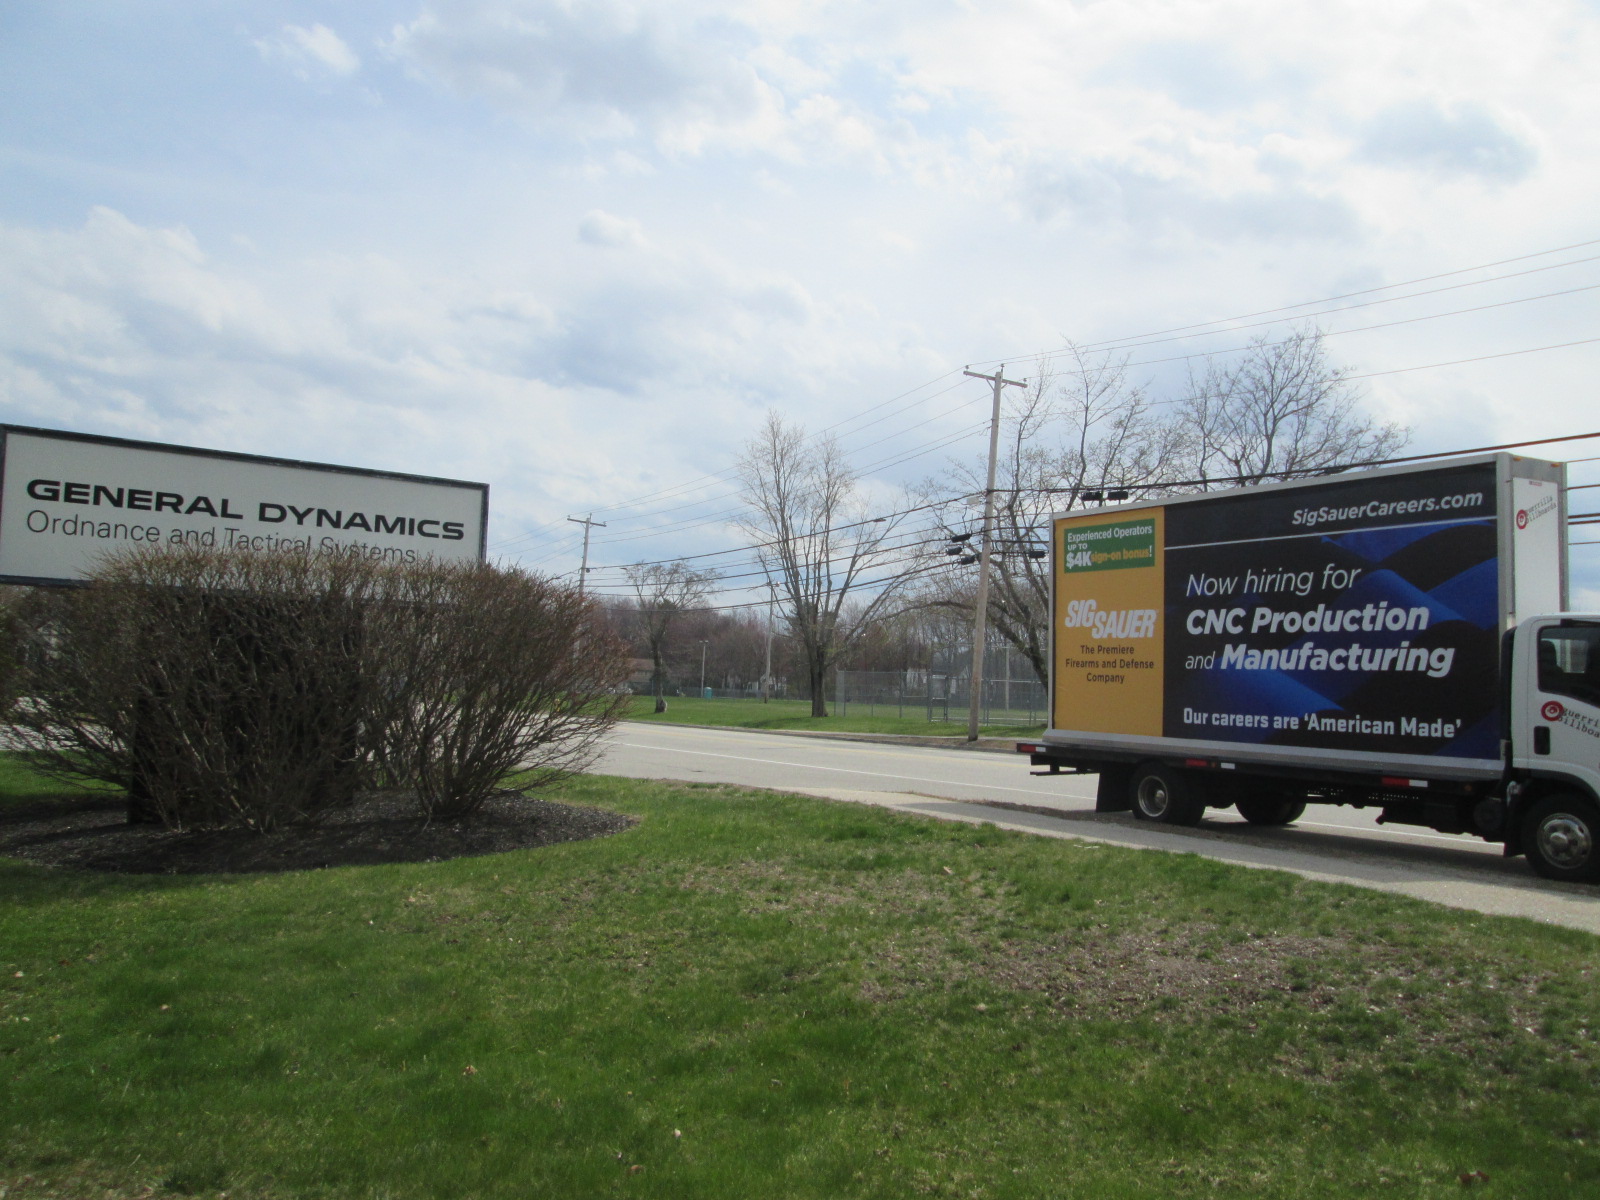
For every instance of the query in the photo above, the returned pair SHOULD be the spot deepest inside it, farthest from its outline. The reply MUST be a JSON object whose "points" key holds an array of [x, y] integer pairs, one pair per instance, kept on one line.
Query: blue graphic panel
{"points": [[1378, 639], [1474, 594], [1375, 545]]}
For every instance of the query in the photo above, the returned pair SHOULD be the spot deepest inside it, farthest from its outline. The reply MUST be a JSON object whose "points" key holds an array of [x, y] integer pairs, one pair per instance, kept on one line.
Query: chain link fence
{"points": [[942, 692]]}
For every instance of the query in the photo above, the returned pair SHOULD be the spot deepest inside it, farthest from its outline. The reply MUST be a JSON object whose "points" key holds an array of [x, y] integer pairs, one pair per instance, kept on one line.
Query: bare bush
{"points": [[216, 689], [15, 602], [264, 689], [486, 672]]}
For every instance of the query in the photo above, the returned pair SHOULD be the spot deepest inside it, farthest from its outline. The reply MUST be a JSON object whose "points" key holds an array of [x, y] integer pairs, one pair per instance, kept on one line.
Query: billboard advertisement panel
{"points": [[1109, 657], [67, 499], [1357, 615], [1361, 614]]}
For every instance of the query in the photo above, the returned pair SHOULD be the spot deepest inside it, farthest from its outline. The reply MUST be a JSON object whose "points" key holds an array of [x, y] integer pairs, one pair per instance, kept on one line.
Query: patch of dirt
{"points": [[1349, 1004], [94, 835], [1132, 972], [1105, 975]]}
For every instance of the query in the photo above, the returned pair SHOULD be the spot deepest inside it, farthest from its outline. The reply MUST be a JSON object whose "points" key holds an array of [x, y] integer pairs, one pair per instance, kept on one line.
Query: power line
{"points": [[1152, 362], [1136, 340], [1480, 358], [863, 584], [1325, 469], [1420, 367], [904, 512], [1197, 328], [857, 449], [588, 524], [724, 475], [913, 539], [1146, 487], [1386, 299], [719, 475], [922, 538], [689, 523], [1365, 375], [715, 518], [703, 520]]}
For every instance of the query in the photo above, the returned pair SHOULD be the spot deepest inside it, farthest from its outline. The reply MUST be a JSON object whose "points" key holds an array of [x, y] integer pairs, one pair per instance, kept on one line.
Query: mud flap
{"points": [[1111, 795]]}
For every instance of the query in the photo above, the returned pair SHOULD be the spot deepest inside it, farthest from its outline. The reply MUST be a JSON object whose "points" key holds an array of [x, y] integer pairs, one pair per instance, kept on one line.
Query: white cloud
{"points": [[1464, 140], [118, 327], [600, 228], [1134, 200], [595, 70], [314, 53], [580, 244]]}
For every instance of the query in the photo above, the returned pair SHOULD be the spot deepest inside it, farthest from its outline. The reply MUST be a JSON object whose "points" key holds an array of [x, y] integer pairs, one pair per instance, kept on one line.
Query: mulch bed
{"points": [[94, 835]]}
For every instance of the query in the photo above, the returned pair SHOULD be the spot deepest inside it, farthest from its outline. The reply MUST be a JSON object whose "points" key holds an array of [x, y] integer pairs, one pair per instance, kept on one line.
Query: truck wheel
{"points": [[1270, 809], [1159, 793], [1561, 837]]}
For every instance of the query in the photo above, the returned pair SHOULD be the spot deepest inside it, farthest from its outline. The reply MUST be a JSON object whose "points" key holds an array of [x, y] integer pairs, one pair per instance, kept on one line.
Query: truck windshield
{"points": [[1569, 662]]}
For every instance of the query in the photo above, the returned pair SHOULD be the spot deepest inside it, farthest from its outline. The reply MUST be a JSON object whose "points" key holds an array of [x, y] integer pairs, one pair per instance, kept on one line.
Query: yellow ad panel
{"points": [[1108, 622]]}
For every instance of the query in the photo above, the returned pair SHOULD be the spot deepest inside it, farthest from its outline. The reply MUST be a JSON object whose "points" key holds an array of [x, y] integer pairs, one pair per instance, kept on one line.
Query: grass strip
{"points": [[796, 714], [752, 994]]}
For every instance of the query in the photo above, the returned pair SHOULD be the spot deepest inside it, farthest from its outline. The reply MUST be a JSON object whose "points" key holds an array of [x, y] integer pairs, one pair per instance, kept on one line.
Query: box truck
{"points": [[1392, 638]]}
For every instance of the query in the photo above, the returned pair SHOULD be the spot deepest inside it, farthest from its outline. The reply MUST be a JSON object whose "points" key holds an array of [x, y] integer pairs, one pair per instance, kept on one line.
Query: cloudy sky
{"points": [[578, 250]]}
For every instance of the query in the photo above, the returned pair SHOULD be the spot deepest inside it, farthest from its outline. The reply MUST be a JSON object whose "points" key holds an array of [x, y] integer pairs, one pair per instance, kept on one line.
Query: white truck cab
{"points": [[1554, 777]]}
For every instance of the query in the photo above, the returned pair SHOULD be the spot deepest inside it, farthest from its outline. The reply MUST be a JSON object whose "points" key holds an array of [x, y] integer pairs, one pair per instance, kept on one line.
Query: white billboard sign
{"points": [[67, 499], [1539, 547]]}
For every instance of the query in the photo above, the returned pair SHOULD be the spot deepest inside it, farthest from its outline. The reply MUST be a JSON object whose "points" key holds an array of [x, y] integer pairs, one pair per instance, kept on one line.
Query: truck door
{"points": [[1562, 717]]}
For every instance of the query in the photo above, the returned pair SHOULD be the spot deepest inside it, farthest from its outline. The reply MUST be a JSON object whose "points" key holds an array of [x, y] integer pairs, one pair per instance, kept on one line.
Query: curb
{"points": [[988, 745]]}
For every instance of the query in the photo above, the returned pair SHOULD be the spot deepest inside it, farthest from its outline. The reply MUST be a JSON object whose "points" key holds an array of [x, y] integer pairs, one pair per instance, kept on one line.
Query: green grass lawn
{"points": [[753, 995], [20, 786], [796, 714]]}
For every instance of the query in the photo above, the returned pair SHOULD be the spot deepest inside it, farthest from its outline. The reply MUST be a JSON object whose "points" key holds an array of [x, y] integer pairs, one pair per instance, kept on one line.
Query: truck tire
{"points": [[1270, 808], [1561, 837], [1162, 794]]}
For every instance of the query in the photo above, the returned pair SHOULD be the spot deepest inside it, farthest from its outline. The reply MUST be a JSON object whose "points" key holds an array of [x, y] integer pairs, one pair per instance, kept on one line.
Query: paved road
{"points": [[1335, 844]]}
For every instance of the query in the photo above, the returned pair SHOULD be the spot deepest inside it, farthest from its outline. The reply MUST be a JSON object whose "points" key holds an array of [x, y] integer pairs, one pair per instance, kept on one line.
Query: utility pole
{"points": [[702, 668], [980, 615], [766, 678], [587, 523]]}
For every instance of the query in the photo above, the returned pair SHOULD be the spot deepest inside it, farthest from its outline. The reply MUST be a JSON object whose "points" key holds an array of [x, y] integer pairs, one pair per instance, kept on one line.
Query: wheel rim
{"points": [[1565, 841], [1153, 796]]}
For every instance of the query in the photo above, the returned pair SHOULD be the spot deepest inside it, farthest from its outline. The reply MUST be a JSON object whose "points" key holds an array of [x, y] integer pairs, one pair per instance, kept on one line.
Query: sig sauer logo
{"points": [[1110, 623]]}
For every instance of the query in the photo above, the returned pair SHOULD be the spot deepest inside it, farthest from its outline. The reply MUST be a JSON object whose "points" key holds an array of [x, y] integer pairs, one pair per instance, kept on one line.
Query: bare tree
{"points": [[1279, 410], [1080, 425], [815, 542], [665, 592]]}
